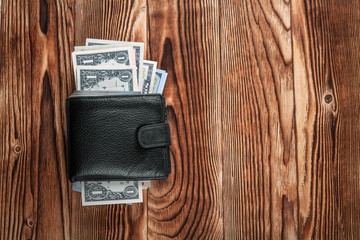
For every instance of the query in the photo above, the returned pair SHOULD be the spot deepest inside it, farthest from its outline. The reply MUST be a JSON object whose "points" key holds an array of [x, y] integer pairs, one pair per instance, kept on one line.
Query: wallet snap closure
{"points": [[154, 135]]}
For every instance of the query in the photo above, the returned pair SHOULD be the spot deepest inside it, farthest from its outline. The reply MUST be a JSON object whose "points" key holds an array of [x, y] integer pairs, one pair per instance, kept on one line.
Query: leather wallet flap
{"points": [[154, 135]]}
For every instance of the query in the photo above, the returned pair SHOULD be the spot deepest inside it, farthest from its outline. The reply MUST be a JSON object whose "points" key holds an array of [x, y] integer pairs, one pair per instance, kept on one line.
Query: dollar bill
{"points": [[103, 57], [76, 186], [160, 89], [158, 84], [155, 84], [144, 74], [100, 46], [137, 47], [150, 75], [146, 184], [110, 192], [106, 78], [97, 93]]}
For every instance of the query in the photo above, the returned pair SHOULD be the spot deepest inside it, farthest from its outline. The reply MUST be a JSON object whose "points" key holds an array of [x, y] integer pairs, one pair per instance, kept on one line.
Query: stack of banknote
{"points": [[114, 66]]}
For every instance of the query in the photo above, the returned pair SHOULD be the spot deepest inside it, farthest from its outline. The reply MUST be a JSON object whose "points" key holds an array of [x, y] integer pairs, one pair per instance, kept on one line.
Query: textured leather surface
{"points": [[155, 135], [103, 139]]}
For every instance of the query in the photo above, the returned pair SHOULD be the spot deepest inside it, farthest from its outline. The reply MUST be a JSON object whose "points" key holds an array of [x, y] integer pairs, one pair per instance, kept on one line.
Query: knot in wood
{"points": [[17, 149], [328, 98], [30, 222]]}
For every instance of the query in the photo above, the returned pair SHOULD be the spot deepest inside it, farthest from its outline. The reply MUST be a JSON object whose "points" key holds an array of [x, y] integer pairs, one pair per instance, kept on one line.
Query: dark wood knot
{"points": [[17, 149], [30, 222], [328, 98]]}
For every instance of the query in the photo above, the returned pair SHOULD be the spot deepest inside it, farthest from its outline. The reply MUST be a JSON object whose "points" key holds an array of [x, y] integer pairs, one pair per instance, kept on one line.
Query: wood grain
{"points": [[326, 67], [35, 80], [285, 143], [184, 39], [263, 103], [258, 119]]}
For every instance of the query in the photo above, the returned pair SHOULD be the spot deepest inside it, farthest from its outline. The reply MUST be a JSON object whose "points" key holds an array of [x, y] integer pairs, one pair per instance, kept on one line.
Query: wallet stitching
{"points": [[162, 108], [164, 117]]}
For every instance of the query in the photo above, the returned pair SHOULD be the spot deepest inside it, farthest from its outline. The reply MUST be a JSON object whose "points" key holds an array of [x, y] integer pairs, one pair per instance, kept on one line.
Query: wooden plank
{"points": [[35, 79], [184, 39], [344, 173], [326, 70], [258, 121], [312, 191], [112, 20]]}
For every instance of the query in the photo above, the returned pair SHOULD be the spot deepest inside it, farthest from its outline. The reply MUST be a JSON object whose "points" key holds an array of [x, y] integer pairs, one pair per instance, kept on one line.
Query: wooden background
{"points": [[263, 102]]}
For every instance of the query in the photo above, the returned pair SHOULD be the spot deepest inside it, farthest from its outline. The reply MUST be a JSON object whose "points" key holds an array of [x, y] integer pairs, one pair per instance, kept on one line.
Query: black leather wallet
{"points": [[117, 137]]}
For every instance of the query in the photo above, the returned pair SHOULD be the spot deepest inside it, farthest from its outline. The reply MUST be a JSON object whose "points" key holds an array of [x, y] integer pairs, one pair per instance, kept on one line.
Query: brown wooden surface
{"points": [[263, 102]]}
